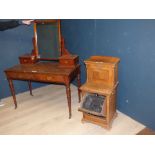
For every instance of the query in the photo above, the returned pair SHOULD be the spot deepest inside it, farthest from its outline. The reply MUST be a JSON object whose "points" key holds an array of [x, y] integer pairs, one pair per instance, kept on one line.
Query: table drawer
{"points": [[19, 76], [48, 78], [36, 77]]}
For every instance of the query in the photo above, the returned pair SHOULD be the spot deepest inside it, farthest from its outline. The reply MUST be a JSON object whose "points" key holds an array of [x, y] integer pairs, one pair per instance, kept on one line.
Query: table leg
{"points": [[79, 84], [12, 92], [30, 87], [68, 92]]}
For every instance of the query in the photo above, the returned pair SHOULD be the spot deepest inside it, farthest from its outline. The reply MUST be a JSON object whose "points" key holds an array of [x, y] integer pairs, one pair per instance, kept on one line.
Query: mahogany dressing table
{"points": [[48, 62]]}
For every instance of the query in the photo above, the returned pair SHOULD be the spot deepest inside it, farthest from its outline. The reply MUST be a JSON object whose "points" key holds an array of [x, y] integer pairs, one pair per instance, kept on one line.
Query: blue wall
{"points": [[13, 43], [134, 42]]}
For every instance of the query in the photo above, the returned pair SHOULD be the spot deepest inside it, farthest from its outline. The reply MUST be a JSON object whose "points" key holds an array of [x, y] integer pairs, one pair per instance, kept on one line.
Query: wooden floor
{"points": [[47, 113]]}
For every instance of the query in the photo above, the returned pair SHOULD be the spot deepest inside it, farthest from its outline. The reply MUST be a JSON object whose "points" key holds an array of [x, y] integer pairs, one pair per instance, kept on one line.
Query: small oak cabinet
{"points": [[102, 79]]}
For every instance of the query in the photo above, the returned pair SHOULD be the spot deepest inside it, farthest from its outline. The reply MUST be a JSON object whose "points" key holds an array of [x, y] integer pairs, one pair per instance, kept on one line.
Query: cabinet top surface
{"points": [[103, 59]]}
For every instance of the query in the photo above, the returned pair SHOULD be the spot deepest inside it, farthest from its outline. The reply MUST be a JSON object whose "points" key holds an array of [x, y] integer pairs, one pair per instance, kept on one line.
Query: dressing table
{"points": [[49, 61]]}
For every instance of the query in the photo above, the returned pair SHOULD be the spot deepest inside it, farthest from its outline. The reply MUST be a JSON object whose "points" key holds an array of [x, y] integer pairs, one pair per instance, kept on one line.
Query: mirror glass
{"points": [[48, 40]]}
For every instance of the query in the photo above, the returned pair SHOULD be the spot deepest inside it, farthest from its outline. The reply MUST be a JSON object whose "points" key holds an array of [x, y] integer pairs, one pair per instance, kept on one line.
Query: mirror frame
{"points": [[36, 51]]}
